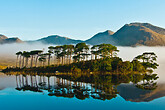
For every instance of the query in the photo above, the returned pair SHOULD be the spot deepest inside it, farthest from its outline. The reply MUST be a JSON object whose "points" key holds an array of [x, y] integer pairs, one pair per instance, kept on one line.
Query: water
{"points": [[29, 98], [41, 96]]}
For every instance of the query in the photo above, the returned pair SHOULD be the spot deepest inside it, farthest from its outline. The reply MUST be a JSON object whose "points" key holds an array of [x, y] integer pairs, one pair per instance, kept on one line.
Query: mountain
{"points": [[4, 40], [102, 37], [2, 37], [152, 27], [134, 34], [57, 40], [13, 40]]}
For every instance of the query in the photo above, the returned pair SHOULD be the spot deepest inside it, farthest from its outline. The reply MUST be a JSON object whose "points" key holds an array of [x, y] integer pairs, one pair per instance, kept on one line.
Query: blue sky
{"points": [[78, 19]]}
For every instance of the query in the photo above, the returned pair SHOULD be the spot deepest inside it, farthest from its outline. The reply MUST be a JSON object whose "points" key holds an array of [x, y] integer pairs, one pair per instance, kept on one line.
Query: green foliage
{"points": [[75, 70], [105, 65], [148, 60], [81, 51], [125, 66], [137, 66], [115, 62], [104, 50]]}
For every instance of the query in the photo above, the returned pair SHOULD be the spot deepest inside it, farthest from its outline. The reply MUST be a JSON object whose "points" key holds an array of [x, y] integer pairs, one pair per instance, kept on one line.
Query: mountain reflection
{"points": [[96, 89]]}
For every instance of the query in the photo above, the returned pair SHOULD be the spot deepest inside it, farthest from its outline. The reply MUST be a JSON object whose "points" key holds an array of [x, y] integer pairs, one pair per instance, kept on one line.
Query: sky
{"points": [[77, 19]]}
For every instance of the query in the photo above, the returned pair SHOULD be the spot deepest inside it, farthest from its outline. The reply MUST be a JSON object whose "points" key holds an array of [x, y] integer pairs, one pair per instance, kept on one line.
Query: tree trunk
{"points": [[23, 62], [36, 61], [17, 61], [26, 62], [54, 60], [48, 60], [32, 61], [20, 61], [70, 58], [62, 60]]}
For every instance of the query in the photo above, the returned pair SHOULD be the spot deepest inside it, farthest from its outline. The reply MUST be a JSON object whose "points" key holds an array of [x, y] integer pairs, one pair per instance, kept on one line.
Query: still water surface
{"points": [[56, 93]]}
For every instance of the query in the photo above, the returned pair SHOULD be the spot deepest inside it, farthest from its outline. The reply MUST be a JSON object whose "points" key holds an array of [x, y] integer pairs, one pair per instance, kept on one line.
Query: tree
{"points": [[70, 50], [94, 51], [125, 66], [106, 65], [25, 55], [148, 60], [32, 53], [18, 54], [42, 59], [64, 53], [57, 51], [107, 50], [115, 62], [38, 53], [137, 66], [50, 51], [81, 51]]}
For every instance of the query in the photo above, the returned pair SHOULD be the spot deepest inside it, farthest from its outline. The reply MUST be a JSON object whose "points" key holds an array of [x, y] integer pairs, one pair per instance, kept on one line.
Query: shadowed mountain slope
{"points": [[4, 40], [102, 37], [57, 40]]}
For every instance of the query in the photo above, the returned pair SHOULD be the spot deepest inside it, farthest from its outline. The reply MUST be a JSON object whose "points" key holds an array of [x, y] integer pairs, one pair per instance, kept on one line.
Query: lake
{"points": [[46, 93]]}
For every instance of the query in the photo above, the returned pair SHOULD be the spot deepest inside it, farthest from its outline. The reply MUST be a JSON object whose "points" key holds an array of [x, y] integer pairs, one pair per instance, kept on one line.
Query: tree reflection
{"points": [[82, 87], [22, 83], [148, 82]]}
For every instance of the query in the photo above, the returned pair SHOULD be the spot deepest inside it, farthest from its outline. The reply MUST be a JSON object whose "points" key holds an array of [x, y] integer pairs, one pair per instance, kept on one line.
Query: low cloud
{"points": [[11, 49]]}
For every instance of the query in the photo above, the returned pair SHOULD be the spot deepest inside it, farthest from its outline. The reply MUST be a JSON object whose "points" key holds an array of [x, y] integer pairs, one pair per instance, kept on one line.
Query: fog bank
{"points": [[11, 49]]}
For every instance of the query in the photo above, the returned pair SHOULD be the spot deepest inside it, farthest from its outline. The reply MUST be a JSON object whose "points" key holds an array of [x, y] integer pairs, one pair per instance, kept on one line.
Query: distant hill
{"points": [[13, 40], [4, 40], [140, 34], [2, 37], [57, 40], [102, 37]]}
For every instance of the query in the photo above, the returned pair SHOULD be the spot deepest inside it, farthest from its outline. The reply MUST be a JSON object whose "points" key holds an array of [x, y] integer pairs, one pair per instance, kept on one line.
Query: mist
{"points": [[9, 50], [126, 53]]}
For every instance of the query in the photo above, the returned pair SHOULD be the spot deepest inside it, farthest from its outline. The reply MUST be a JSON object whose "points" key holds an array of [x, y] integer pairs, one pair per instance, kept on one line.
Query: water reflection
{"points": [[93, 87], [64, 88]]}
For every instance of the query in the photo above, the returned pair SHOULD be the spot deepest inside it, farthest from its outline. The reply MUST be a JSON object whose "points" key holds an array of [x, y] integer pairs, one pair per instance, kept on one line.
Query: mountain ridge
{"points": [[101, 37], [139, 34], [56, 40], [6, 40], [133, 34]]}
